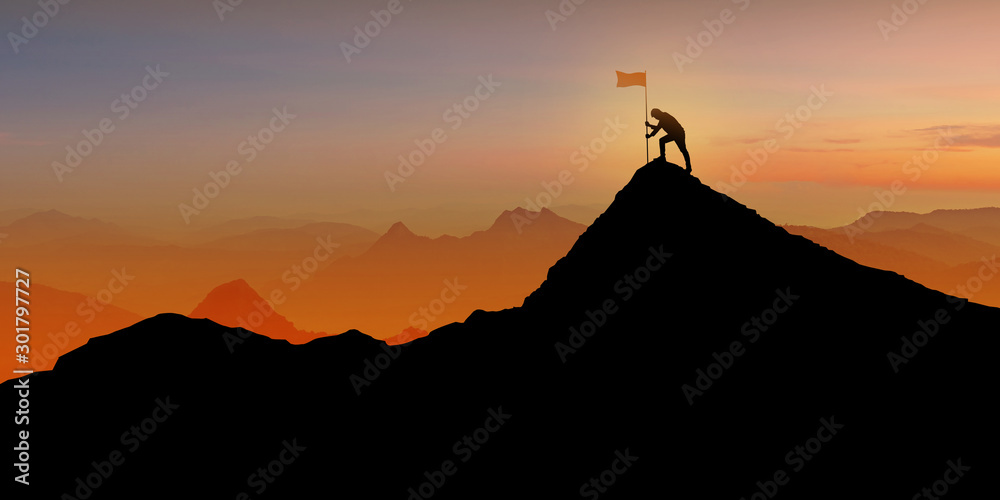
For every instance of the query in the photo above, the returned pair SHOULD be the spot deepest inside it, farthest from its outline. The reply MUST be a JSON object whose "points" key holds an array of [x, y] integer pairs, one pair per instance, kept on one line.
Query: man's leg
{"points": [[663, 145], [682, 145]]}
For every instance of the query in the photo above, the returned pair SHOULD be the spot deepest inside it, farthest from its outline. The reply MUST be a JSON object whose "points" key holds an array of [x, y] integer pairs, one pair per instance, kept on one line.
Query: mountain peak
{"points": [[224, 296], [50, 225], [399, 230], [51, 217], [237, 286], [663, 299], [53, 213], [663, 210], [524, 212], [237, 304], [522, 220]]}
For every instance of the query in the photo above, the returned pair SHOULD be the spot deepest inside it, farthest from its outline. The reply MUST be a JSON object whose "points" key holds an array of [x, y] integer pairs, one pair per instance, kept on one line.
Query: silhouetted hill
{"points": [[60, 322], [594, 377]]}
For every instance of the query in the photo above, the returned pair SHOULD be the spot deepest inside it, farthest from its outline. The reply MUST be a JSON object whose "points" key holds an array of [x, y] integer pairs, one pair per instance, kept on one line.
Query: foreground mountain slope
{"points": [[60, 321], [933, 243], [542, 401], [975, 277]]}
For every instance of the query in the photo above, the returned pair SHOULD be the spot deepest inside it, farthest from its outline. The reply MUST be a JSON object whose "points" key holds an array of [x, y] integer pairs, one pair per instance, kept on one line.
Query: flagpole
{"points": [[645, 114]]}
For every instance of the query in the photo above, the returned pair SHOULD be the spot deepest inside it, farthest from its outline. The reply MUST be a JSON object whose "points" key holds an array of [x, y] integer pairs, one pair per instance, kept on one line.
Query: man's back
{"points": [[669, 124]]}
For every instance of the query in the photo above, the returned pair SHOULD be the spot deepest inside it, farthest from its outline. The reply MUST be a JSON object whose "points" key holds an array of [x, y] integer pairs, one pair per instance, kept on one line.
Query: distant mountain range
{"points": [[457, 220], [350, 240], [969, 222], [58, 229], [410, 281], [683, 346], [11, 215], [493, 268], [404, 274], [273, 253], [944, 249]]}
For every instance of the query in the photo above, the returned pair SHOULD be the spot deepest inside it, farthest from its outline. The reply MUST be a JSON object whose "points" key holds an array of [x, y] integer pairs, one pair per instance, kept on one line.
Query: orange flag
{"points": [[631, 79]]}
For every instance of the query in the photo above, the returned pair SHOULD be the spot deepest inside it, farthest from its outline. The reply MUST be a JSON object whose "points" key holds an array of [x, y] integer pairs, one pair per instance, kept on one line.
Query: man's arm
{"points": [[654, 131]]}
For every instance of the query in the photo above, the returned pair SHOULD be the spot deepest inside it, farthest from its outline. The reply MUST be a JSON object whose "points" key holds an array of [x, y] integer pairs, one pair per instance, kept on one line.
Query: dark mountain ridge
{"points": [[719, 355]]}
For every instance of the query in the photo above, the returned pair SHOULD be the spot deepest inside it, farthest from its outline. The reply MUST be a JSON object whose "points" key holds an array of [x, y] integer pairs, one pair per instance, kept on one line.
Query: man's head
{"points": [[656, 113]]}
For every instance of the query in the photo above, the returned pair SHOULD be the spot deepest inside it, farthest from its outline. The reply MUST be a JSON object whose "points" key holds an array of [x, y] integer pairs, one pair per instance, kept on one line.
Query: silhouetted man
{"points": [[675, 132]]}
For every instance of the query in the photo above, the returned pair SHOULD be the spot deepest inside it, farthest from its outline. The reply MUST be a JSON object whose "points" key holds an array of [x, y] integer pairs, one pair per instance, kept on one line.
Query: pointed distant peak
{"points": [[524, 212], [522, 219], [399, 229], [512, 219], [237, 304], [235, 285], [232, 291], [56, 219], [520, 212], [229, 293], [398, 236], [50, 215]]}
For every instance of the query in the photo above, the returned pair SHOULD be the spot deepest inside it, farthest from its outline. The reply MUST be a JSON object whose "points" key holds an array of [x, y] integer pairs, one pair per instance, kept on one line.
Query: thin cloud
{"points": [[988, 141], [724, 141], [950, 149], [971, 137], [819, 150], [843, 141], [753, 140], [937, 128]]}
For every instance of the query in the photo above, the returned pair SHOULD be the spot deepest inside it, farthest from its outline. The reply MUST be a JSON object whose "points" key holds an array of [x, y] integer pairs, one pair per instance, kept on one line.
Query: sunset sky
{"points": [[939, 70]]}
